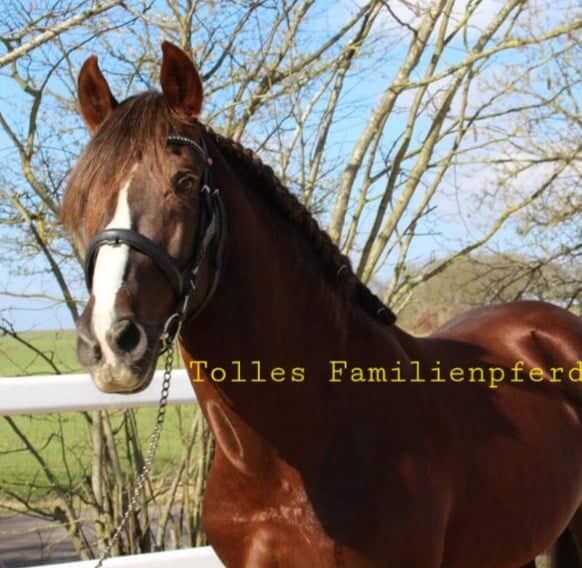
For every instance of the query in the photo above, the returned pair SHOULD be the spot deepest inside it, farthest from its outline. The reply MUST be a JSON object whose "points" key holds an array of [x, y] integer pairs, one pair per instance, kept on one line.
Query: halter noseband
{"points": [[210, 239]]}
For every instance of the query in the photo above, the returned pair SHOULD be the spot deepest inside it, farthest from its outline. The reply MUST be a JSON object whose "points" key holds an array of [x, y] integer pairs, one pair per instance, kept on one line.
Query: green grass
{"points": [[64, 443], [16, 358]]}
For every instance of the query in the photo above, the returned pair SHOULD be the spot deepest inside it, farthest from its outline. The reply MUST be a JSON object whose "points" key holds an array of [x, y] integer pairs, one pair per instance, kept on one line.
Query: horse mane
{"points": [[339, 265], [138, 129]]}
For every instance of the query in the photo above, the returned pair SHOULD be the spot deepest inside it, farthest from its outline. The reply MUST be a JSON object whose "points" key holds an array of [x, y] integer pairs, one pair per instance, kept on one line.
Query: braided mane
{"points": [[338, 264]]}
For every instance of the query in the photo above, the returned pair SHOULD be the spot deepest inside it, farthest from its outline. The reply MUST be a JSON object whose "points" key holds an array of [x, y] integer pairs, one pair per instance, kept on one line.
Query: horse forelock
{"points": [[135, 132]]}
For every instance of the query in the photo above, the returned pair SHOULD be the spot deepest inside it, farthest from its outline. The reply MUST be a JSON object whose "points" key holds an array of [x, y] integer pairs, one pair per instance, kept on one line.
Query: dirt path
{"points": [[27, 541]]}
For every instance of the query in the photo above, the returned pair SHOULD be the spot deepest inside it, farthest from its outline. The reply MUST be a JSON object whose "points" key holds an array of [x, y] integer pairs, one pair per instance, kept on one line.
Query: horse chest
{"points": [[254, 520], [256, 510], [261, 512]]}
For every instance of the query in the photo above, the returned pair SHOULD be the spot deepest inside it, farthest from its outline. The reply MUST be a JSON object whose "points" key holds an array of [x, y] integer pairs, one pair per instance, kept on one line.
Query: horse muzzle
{"points": [[125, 362], [120, 379]]}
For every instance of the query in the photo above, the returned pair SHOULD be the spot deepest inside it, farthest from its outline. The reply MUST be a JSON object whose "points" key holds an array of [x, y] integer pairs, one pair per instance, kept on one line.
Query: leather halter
{"points": [[184, 280]]}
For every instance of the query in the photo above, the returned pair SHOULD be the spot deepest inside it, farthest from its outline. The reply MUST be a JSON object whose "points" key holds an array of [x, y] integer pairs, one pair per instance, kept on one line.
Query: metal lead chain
{"points": [[147, 466]]}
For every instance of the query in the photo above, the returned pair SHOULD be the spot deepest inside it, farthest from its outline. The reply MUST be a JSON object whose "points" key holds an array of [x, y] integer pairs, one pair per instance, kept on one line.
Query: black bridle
{"points": [[184, 280]]}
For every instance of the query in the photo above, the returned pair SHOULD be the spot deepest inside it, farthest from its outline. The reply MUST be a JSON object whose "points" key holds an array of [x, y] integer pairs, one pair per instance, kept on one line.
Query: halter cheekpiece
{"points": [[184, 280]]}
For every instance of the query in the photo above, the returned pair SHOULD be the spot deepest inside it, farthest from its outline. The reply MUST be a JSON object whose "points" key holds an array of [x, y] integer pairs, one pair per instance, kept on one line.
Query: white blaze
{"points": [[108, 275]]}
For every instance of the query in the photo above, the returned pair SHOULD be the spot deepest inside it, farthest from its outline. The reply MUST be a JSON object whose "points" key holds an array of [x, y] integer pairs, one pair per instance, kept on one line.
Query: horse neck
{"points": [[269, 305], [273, 306]]}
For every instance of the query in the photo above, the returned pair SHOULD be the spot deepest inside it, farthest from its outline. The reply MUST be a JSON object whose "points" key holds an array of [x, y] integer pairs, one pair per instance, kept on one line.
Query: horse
{"points": [[341, 439]]}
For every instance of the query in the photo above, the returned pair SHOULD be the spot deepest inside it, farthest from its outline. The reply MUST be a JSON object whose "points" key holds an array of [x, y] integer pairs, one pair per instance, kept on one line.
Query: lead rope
{"points": [[147, 466]]}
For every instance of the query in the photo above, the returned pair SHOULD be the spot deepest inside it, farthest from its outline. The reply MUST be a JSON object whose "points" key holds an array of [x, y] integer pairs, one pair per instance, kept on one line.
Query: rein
{"points": [[184, 280]]}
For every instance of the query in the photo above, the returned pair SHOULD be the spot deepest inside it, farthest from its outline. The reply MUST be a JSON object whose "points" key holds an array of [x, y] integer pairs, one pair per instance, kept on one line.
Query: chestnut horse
{"points": [[341, 440]]}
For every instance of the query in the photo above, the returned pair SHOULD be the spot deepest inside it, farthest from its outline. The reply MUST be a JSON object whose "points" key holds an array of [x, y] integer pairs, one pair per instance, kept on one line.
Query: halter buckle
{"points": [[168, 335]]}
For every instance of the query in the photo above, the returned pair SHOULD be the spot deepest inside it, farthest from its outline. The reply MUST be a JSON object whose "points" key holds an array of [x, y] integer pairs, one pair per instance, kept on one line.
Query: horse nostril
{"points": [[126, 336], [88, 351], [96, 352]]}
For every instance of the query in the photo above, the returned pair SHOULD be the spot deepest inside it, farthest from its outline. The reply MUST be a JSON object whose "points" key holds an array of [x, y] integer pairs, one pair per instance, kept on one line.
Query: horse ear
{"points": [[181, 82], [95, 99]]}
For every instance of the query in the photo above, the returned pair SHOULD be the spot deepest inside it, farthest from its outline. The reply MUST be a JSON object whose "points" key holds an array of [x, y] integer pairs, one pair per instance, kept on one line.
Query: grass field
{"points": [[19, 468], [18, 359], [45, 432]]}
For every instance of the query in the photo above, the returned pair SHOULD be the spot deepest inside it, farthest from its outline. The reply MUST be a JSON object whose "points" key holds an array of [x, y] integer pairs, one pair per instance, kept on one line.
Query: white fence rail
{"points": [[202, 557], [66, 393]]}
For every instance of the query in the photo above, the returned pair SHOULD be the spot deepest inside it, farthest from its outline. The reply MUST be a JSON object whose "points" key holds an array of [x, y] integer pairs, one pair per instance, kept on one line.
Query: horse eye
{"points": [[184, 182]]}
